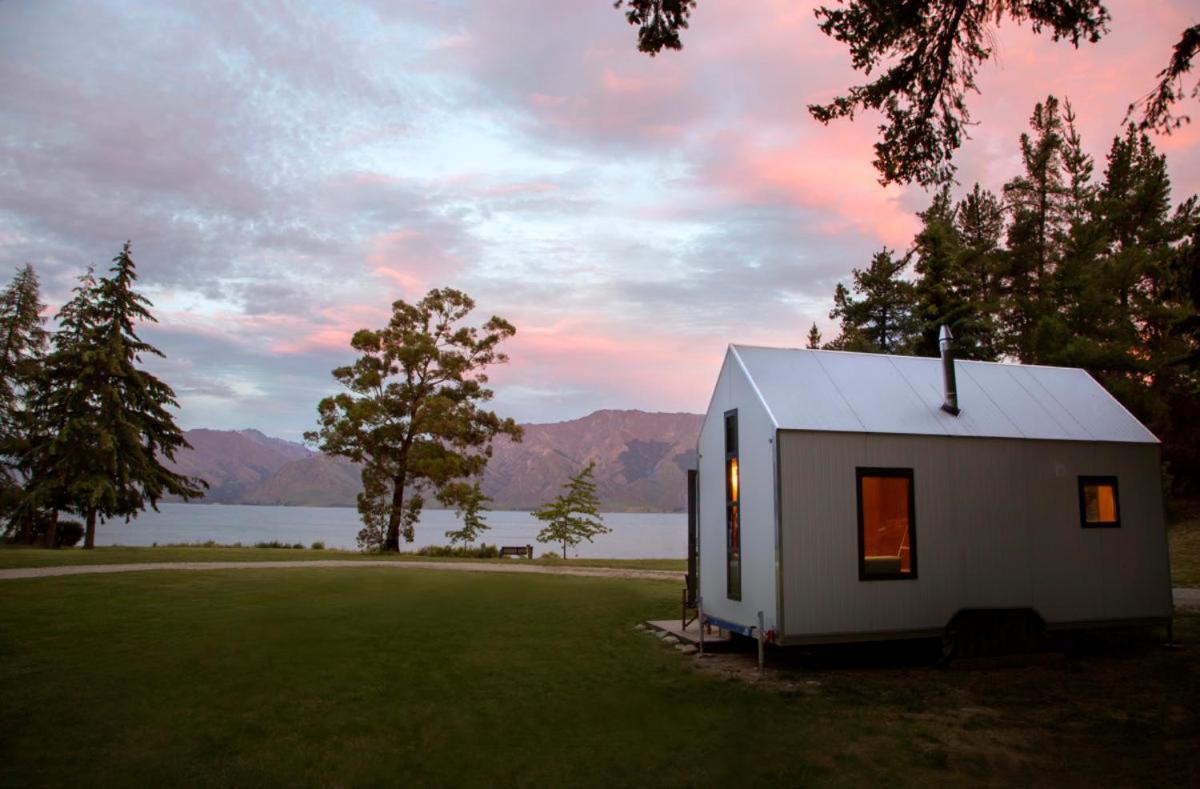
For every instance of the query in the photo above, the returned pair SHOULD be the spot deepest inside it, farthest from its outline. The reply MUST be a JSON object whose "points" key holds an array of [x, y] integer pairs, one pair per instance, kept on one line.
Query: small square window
{"points": [[1099, 505]]}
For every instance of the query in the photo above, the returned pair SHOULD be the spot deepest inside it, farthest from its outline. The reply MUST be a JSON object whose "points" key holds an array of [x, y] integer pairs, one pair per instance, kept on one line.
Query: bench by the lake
{"points": [[523, 551]]}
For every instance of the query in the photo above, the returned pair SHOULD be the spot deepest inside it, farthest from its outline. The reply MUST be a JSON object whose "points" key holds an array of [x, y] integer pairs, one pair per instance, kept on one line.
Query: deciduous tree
{"points": [[469, 501], [412, 414]]}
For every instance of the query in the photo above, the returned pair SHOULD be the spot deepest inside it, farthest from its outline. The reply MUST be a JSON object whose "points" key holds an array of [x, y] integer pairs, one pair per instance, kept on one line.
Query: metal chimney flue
{"points": [[946, 344]]}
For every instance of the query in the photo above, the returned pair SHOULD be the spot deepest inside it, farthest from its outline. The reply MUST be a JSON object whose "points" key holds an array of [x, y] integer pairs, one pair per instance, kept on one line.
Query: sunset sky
{"points": [[285, 174]]}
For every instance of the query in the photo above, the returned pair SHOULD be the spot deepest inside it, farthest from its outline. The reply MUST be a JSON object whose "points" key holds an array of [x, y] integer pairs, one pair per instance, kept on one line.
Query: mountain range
{"points": [[640, 460]]}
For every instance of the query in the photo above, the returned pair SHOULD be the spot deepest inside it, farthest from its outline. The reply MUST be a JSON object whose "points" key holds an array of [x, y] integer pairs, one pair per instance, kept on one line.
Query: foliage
{"points": [[483, 551], [317, 546], [412, 415], [658, 22], [814, 338], [574, 515], [925, 55], [104, 424], [68, 534], [1157, 104], [277, 544], [881, 319], [23, 341], [1064, 271], [470, 504]]}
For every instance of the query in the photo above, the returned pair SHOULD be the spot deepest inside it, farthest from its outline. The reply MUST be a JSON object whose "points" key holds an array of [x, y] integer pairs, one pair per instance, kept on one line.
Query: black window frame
{"points": [[901, 473], [733, 581], [1099, 479]]}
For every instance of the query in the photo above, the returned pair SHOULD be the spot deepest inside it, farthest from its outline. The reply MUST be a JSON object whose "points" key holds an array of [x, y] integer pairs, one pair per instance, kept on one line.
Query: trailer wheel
{"points": [[987, 632]]}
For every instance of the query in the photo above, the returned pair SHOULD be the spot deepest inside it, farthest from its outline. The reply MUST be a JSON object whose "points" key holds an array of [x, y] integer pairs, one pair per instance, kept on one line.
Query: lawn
{"points": [[1185, 553], [361, 677], [20, 556]]}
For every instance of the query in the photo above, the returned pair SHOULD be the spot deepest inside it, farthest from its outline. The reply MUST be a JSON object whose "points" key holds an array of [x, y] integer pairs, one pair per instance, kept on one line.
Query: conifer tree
{"points": [[1038, 203], [814, 338], [881, 319], [575, 515], [106, 424], [23, 341], [979, 220]]}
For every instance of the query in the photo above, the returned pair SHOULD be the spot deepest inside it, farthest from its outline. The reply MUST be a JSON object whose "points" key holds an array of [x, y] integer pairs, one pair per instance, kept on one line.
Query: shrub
{"points": [[278, 544], [69, 533], [318, 546], [483, 551]]}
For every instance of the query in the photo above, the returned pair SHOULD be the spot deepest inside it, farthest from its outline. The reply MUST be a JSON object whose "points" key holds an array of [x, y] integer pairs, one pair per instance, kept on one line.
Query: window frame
{"points": [[1099, 479], [733, 591], [892, 472]]}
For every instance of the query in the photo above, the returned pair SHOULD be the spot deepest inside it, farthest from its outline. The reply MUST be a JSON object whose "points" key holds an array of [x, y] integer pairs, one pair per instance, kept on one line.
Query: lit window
{"points": [[733, 511], [887, 538], [1098, 502]]}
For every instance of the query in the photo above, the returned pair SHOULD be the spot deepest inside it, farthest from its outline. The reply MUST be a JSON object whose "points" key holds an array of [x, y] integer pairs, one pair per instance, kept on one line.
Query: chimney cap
{"points": [[944, 337]]}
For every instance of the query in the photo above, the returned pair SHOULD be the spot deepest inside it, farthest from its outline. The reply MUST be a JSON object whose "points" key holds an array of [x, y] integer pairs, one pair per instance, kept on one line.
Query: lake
{"points": [[633, 536]]}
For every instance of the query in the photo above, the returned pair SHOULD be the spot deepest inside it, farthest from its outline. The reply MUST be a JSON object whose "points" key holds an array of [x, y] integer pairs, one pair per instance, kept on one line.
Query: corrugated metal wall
{"points": [[997, 525], [756, 458]]}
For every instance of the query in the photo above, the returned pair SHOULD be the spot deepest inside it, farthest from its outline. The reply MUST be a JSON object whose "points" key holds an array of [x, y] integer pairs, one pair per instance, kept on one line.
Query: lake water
{"points": [[633, 536]]}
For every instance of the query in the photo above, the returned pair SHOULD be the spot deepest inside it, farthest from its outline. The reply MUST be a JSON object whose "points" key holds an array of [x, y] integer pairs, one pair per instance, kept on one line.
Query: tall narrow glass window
{"points": [[887, 535], [1098, 503], [733, 510]]}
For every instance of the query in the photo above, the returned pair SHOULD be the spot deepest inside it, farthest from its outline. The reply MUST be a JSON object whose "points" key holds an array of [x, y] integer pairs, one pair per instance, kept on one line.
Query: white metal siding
{"points": [[997, 524], [756, 460]]}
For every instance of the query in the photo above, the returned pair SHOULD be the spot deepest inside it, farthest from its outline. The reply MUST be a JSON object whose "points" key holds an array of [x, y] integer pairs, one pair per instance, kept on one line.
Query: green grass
{"points": [[369, 677], [1185, 553], [18, 556]]}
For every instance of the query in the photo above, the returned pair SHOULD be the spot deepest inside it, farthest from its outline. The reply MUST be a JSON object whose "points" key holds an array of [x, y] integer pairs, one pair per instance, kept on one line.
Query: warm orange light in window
{"points": [[1101, 501], [733, 479], [886, 536]]}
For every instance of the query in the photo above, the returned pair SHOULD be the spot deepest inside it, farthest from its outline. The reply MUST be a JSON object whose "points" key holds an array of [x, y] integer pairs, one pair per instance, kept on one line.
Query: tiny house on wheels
{"points": [[849, 496]]}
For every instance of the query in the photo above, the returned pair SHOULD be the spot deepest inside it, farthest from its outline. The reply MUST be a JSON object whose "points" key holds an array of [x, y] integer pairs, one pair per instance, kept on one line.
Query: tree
{"points": [[814, 338], [575, 515], [23, 341], [412, 415], [470, 503], [926, 54], [979, 222], [881, 320], [104, 422]]}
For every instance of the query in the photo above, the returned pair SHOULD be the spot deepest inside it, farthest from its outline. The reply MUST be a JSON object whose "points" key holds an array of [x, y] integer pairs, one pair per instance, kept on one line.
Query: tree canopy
{"points": [[925, 55], [412, 412]]}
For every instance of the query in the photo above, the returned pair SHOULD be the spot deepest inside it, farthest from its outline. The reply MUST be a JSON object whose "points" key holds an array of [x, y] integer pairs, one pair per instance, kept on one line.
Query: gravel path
{"points": [[466, 567]]}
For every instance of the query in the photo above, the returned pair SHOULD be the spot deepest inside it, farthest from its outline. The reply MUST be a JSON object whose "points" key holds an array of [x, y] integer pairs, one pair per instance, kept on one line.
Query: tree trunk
{"points": [[564, 550], [392, 542], [52, 530], [89, 537]]}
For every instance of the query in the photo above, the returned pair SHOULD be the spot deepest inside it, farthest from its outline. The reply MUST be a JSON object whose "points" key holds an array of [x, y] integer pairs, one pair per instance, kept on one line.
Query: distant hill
{"points": [[640, 464]]}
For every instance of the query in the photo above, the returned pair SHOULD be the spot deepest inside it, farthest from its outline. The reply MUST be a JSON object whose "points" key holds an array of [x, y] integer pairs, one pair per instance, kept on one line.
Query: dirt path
{"points": [[1186, 598], [467, 567]]}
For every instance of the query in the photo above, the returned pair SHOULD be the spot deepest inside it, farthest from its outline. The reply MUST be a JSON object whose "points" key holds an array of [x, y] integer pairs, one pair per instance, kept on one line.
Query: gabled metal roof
{"points": [[877, 393]]}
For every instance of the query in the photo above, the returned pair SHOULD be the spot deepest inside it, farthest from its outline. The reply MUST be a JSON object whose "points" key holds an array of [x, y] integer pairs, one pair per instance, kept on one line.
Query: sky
{"points": [[288, 170]]}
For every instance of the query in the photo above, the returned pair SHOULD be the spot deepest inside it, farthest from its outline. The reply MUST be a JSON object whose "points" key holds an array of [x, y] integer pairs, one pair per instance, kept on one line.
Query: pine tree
{"points": [[1038, 204], [814, 338], [106, 421], [881, 320], [23, 341], [575, 515], [979, 221]]}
